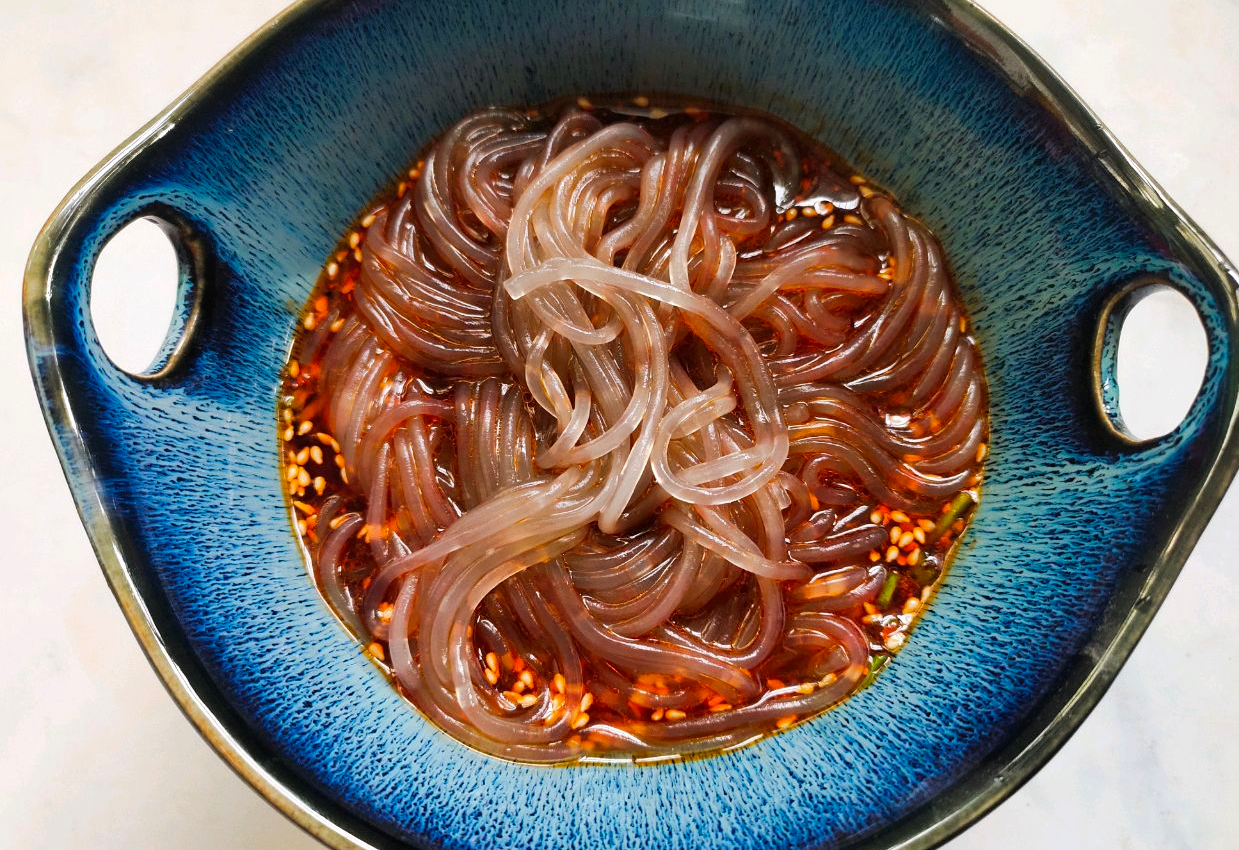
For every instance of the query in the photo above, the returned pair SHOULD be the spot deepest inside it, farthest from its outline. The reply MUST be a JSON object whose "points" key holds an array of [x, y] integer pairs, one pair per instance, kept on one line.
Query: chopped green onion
{"points": [[960, 505], [923, 574], [875, 667], [888, 590]]}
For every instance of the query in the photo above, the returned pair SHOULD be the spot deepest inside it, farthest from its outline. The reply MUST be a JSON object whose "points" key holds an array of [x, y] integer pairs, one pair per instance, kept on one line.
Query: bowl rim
{"points": [[926, 827]]}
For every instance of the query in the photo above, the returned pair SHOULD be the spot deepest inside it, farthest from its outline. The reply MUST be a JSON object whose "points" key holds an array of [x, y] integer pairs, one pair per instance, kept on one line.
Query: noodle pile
{"points": [[615, 423]]}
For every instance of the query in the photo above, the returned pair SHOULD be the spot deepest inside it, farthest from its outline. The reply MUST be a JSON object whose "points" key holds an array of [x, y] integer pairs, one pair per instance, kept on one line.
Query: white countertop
{"points": [[94, 754]]}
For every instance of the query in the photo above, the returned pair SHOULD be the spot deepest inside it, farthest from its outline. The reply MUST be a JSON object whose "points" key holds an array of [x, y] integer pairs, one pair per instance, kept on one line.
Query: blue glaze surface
{"points": [[268, 166]]}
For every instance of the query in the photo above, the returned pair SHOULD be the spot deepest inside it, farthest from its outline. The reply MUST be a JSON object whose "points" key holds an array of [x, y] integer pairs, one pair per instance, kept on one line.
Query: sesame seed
{"points": [[587, 701], [892, 553], [491, 676], [316, 452], [895, 533], [806, 688], [899, 517], [657, 714], [526, 678], [333, 269], [641, 101], [559, 683], [337, 522], [785, 722], [918, 534], [914, 557], [775, 684], [376, 649], [790, 214], [722, 706], [857, 180], [581, 720], [906, 540], [828, 222], [354, 239], [305, 428], [982, 451], [336, 325], [320, 484], [303, 477], [368, 220], [866, 192], [911, 605], [290, 474], [584, 103], [925, 524], [895, 641], [675, 714], [288, 433], [875, 518], [301, 527], [311, 321], [492, 661], [853, 219], [294, 368], [303, 507], [303, 456], [875, 555]]}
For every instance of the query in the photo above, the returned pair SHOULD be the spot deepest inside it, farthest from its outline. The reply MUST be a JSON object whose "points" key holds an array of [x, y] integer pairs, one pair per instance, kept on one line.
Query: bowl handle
{"points": [[1216, 401], [85, 397], [59, 328]]}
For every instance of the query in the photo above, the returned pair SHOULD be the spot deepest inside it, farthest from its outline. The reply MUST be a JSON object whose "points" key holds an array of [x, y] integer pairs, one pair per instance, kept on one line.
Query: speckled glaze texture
{"points": [[262, 167]]}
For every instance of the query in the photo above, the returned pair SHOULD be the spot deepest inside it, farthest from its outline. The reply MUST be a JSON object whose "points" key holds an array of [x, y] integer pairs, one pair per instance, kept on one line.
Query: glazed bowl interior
{"points": [[177, 472]]}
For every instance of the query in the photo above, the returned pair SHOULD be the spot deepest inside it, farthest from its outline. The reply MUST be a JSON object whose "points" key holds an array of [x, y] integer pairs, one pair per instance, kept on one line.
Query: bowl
{"points": [[256, 170]]}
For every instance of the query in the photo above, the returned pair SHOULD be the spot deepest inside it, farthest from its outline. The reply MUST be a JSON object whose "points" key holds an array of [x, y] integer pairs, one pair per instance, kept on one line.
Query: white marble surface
{"points": [[92, 752]]}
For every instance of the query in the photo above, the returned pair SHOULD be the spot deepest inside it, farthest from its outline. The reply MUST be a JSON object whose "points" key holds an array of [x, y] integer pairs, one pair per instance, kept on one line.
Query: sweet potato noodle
{"points": [[637, 415]]}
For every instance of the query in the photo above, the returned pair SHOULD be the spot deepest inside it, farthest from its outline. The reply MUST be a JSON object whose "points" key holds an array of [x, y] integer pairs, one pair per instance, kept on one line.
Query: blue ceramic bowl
{"points": [[256, 171]]}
